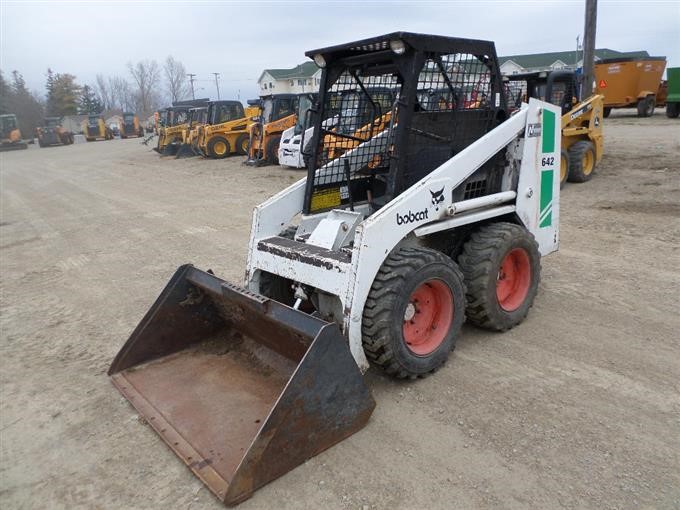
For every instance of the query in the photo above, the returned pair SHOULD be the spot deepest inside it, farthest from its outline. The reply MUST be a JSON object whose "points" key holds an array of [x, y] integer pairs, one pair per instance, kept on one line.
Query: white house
{"points": [[302, 78], [515, 64]]}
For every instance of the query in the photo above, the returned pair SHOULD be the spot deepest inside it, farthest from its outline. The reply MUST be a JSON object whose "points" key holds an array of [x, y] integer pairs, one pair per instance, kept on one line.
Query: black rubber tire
{"points": [[241, 148], [672, 110], [576, 155], [272, 152], [276, 287], [211, 147], [382, 331], [645, 106], [563, 178], [480, 263], [606, 112]]}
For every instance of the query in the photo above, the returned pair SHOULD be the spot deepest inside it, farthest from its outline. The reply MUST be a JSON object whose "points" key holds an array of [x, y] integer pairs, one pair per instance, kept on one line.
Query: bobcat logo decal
{"points": [[437, 198]]}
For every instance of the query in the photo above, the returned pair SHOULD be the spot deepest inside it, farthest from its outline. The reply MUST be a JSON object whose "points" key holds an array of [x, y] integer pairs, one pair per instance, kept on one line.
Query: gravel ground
{"points": [[578, 407]]}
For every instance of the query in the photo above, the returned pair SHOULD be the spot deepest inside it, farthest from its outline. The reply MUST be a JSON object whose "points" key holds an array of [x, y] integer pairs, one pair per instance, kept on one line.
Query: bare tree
{"points": [[122, 96], [146, 76], [176, 79], [104, 92]]}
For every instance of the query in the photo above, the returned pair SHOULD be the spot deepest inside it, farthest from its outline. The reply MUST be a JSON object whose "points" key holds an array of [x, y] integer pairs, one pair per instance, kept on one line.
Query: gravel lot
{"points": [[579, 407]]}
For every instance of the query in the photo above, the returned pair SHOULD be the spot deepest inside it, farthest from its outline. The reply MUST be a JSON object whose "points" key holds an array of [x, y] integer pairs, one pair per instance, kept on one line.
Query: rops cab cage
{"points": [[405, 103]]}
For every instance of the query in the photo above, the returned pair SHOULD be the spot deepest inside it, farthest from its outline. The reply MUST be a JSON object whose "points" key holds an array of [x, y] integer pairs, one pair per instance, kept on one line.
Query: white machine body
{"points": [[339, 253]]}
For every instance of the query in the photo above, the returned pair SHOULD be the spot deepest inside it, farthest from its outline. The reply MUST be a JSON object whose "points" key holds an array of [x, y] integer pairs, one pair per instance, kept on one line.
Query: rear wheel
{"points": [[502, 267], [414, 312], [645, 106], [564, 168], [607, 111], [672, 110], [272, 150], [218, 147], [242, 144], [581, 161]]}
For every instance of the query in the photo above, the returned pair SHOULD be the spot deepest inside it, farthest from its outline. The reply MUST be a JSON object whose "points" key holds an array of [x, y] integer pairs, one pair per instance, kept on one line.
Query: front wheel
{"points": [[672, 110], [242, 144], [502, 267], [582, 160], [564, 168], [414, 312], [218, 147], [272, 150], [606, 112]]}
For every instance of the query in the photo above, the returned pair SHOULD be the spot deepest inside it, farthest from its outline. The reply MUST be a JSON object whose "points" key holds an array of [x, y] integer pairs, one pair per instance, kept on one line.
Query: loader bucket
{"points": [[185, 151], [241, 387]]}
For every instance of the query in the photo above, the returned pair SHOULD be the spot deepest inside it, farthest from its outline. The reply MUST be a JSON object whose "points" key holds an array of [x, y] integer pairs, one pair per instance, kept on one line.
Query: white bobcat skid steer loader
{"points": [[291, 149], [378, 255]]}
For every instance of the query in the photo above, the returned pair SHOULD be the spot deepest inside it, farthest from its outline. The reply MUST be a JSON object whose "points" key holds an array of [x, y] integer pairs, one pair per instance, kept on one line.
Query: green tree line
{"points": [[143, 93]]}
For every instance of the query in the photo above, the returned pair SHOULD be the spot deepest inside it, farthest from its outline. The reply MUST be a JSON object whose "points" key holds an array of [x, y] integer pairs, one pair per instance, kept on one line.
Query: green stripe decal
{"points": [[545, 215], [548, 131]]}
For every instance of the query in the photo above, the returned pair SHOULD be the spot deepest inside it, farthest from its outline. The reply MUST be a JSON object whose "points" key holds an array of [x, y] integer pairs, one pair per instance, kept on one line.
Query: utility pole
{"points": [[217, 84], [589, 48], [191, 81]]}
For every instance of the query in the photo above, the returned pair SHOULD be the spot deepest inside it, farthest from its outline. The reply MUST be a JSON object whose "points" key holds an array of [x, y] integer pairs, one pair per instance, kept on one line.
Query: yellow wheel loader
{"points": [[196, 118], [53, 133], [173, 132], [10, 133], [226, 131], [131, 126], [94, 128], [375, 257], [581, 123], [279, 113]]}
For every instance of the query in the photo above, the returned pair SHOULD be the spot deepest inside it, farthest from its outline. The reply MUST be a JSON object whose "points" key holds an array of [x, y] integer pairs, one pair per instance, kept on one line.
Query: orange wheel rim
{"points": [[428, 317], [514, 280]]}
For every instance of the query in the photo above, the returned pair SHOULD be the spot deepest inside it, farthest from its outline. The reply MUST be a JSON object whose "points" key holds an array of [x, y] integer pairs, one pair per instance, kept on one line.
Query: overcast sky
{"points": [[239, 39]]}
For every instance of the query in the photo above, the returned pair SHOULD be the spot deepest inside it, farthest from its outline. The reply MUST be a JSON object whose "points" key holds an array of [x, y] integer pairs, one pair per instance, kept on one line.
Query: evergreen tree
{"points": [[16, 98], [63, 94], [5, 93], [89, 102]]}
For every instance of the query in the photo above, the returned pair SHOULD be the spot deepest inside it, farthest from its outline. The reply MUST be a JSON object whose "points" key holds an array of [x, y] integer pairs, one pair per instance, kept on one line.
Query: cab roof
{"points": [[423, 42]]}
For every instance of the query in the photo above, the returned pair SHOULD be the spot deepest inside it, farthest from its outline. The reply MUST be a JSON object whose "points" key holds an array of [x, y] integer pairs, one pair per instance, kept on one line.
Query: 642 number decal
{"points": [[547, 161]]}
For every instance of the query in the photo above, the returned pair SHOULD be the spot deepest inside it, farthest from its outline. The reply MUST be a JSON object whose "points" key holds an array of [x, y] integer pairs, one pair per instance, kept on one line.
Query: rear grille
{"points": [[475, 189]]}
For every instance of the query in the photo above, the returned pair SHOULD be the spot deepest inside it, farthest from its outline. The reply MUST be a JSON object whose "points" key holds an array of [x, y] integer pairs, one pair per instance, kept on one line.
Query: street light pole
{"points": [[217, 84], [191, 81]]}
